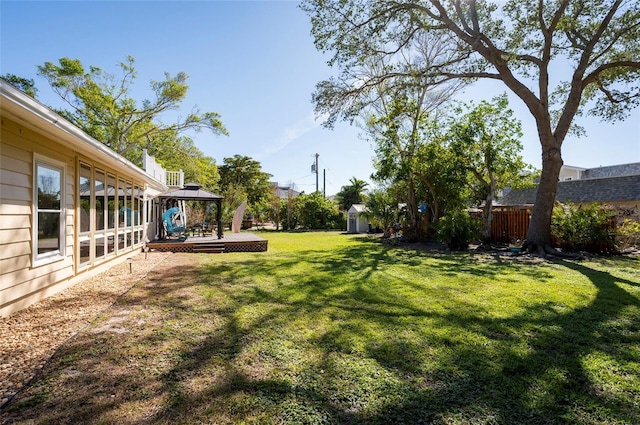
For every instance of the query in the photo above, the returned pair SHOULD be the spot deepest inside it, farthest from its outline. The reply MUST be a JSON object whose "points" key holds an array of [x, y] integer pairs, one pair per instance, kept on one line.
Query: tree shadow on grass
{"points": [[228, 349], [547, 383], [531, 371]]}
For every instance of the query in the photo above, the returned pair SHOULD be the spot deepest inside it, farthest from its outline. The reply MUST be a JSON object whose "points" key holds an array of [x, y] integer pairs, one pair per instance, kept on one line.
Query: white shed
{"points": [[356, 222]]}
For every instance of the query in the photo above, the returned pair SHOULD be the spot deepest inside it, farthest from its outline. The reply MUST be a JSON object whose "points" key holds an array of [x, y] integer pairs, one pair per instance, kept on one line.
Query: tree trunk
{"points": [[539, 234], [411, 233], [486, 218]]}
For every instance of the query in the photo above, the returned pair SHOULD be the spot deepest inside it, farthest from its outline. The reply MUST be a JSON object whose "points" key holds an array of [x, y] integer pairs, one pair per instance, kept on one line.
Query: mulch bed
{"points": [[31, 336]]}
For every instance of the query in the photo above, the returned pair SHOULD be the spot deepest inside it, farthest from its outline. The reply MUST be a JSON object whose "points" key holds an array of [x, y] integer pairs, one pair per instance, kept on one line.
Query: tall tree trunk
{"points": [[486, 215], [411, 233], [539, 234]]}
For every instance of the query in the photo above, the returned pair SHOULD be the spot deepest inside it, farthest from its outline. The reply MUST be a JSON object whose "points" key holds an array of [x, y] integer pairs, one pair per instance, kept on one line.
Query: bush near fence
{"points": [[510, 224]]}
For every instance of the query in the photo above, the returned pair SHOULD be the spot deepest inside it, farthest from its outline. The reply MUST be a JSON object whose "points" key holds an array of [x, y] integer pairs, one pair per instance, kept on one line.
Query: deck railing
{"points": [[169, 178], [174, 178]]}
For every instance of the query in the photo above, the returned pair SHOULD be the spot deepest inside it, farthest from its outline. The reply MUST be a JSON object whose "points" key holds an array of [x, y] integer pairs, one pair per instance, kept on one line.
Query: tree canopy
{"points": [[246, 172], [101, 105], [27, 85], [486, 139], [561, 58]]}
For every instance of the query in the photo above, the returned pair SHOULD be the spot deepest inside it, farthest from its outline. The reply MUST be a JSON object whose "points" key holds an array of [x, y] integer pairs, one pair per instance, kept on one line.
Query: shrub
{"points": [[457, 229], [316, 212], [628, 235], [586, 228]]}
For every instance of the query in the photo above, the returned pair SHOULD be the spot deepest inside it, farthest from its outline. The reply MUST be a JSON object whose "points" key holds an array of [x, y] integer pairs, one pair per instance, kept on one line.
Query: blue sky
{"points": [[253, 62]]}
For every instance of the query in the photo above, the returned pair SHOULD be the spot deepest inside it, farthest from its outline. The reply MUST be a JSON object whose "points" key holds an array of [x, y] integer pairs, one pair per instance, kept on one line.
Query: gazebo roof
{"points": [[191, 192]]}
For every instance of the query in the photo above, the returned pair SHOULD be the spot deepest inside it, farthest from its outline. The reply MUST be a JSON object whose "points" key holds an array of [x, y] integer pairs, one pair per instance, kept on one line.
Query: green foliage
{"points": [[583, 228], [442, 175], [402, 135], [314, 211], [233, 197], [458, 229], [181, 153], [486, 140], [628, 235], [27, 85], [381, 211], [377, 47], [486, 137], [289, 214], [244, 171], [354, 193], [102, 107]]}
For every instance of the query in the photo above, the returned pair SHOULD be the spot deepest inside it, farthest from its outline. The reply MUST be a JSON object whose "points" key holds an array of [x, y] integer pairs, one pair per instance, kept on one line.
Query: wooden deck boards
{"points": [[233, 242]]}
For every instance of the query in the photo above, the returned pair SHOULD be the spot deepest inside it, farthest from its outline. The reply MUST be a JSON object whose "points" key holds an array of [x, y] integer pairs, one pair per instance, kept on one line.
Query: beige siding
{"points": [[21, 282]]}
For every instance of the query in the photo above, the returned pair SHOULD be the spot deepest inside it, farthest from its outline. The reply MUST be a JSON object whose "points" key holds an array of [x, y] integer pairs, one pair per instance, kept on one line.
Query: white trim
{"points": [[59, 254]]}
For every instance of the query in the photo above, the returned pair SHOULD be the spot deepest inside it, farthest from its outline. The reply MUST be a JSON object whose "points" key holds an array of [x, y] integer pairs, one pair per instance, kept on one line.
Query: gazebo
{"points": [[190, 192]]}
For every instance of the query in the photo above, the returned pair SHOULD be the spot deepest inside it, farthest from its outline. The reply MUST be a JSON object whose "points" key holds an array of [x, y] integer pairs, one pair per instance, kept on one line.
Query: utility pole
{"points": [[316, 168], [324, 183]]}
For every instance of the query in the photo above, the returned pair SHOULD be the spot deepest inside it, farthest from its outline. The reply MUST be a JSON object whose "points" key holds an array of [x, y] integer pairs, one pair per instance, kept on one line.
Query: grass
{"points": [[329, 328]]}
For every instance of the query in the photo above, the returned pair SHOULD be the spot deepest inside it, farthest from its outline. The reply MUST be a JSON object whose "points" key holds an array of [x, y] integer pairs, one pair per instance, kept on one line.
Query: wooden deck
{"points": [[233, 242]]}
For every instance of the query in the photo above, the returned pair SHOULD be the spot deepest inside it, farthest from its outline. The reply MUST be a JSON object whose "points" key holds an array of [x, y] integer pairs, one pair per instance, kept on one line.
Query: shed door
{"points": [[352, 223]]}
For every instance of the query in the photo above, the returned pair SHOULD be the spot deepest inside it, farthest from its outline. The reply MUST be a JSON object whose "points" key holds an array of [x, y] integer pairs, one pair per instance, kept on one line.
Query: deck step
{"points": [[210, 248]]}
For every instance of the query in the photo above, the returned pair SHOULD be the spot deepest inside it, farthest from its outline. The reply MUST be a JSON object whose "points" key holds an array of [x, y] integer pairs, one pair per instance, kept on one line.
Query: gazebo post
{"points": [[219, 217]]}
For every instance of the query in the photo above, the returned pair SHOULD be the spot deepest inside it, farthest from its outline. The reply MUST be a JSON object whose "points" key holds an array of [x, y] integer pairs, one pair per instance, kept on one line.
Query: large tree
{"points": [[246, 172], [102, 106], [559, 57]]}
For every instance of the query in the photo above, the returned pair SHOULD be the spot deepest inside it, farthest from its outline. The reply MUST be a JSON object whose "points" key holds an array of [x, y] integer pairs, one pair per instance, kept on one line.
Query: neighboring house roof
{"points": [[283, 192], [612, 171], [610, 189]]}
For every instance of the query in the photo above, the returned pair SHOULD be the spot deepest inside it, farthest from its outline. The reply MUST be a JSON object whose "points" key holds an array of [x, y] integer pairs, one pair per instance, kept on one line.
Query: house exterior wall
{"points": [[25, 278], [570, 173]]}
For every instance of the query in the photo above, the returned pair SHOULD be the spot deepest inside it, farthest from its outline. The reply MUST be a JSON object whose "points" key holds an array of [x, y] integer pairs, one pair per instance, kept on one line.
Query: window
{"points": [[84, 186], [100, 207], [48, 223], [111, 202], [111, 213], [100, 196], [121, 215]]}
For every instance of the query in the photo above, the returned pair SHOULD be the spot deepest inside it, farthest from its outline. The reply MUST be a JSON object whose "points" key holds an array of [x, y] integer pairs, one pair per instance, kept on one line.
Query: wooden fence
{"points": [[509, 223]]}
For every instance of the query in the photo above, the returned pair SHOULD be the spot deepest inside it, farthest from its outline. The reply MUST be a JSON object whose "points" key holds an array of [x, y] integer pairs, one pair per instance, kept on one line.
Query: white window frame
{"points": [[59, 254], [86, 236]]}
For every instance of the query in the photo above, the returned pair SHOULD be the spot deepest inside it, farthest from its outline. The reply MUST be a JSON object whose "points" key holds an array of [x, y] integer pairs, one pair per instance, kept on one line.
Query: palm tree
{"points": [[352, 194]]}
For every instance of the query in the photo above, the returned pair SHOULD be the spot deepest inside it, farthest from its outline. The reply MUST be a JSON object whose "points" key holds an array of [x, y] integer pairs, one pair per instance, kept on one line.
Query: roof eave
{"points": [[43, 120]]}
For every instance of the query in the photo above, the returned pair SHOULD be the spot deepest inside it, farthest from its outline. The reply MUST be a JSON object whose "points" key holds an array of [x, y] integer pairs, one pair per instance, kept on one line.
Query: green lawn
{"points": [[330, 328]]}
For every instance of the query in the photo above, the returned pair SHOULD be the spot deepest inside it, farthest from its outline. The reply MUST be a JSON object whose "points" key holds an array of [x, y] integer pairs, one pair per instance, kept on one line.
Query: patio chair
{"points": [[173, 221]]}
